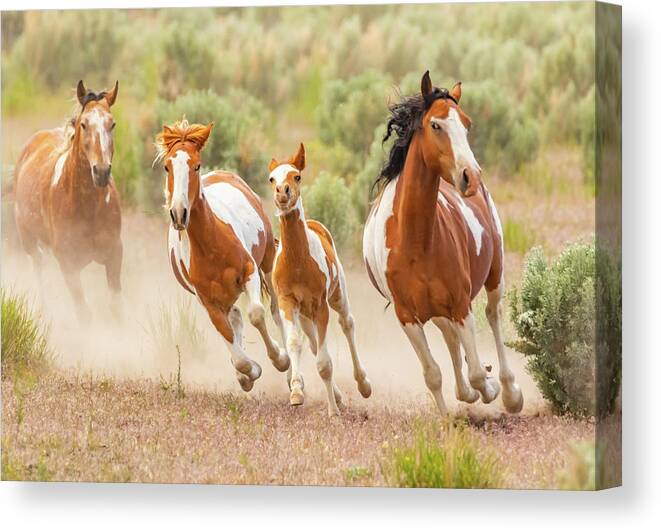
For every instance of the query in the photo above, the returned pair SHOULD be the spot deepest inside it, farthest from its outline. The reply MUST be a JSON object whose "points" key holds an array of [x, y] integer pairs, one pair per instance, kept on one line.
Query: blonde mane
{"points": [[179, 131]]}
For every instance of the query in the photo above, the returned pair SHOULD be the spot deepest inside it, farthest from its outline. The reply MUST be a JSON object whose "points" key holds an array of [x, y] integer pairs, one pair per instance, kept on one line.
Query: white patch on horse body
{"points": [[180, 172], [59, 166], [231, 206], [279, 174], [472, 222], [443, 200], [181, 249], [375, 250]]}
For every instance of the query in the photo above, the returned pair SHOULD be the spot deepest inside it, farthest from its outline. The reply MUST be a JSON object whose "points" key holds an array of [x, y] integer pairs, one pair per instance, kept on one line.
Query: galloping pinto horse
{"points": [[309, 278], [433, 239], [220, 244], [65, 197]]}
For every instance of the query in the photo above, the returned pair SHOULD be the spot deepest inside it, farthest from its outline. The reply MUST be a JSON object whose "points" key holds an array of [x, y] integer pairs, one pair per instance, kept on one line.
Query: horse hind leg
{"points": [[72, 279], [512, 395], [463, 390], [341, 305]]}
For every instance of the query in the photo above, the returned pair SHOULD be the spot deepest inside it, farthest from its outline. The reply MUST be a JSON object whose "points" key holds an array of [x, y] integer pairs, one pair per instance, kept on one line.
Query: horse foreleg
{"points": [[463, 390], [72, 279], [278, 356], [512, 396], [113, 266], [488, 387], [430, 369], [294, 342], [230, 326]]}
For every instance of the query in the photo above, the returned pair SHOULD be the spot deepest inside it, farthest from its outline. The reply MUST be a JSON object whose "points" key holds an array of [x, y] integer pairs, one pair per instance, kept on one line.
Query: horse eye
{"points": [[297, 178], [435, 126], [271, 180], [82, 124], [112, 126], [197, 168], [165, 168]]}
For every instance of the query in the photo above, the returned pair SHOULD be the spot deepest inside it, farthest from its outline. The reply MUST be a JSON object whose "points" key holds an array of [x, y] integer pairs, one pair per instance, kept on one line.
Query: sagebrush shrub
{"points": [[568, 318], [328, 200]]}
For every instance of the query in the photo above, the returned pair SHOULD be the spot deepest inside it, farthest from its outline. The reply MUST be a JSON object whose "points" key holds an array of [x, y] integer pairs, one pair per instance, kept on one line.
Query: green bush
{"points": [[328, 200], [555, 314], [127, 159], [25, 347], [239, 133], [451, 459]]}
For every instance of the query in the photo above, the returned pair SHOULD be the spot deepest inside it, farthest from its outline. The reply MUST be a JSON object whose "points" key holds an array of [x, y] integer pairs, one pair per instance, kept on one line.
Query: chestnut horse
{"points": [[308, 279], [65, 197], [220, 244], [433, 239]]}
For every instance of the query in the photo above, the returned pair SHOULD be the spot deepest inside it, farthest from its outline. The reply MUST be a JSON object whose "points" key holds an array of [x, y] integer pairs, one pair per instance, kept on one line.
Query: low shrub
{"points": [[328, 200], [451, 458], [25, 347], [556, 314]]}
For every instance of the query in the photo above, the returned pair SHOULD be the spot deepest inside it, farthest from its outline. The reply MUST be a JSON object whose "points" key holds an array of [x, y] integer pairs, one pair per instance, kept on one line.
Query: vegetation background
{"points": [[271, 77]]}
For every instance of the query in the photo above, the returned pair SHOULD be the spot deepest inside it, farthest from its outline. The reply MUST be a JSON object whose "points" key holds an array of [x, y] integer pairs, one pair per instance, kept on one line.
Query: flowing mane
{"points": [[179, 131], [405, 119]]}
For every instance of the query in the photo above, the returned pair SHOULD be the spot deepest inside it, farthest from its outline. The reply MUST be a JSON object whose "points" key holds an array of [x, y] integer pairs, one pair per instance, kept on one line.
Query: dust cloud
{"points": [[128, 347]]}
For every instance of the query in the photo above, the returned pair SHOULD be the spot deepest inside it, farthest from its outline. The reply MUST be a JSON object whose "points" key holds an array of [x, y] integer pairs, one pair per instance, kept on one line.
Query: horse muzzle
{"points": [[469, 181], [101, 175], [180, 215]]}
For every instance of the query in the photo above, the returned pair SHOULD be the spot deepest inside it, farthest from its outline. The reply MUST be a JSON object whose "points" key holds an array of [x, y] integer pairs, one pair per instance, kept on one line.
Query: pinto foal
{"points": [[220, 244], [308, 278]]}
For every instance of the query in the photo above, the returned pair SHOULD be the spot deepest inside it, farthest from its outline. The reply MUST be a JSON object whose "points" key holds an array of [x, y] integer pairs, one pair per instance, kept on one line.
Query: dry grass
{"points": [[89, 429]]}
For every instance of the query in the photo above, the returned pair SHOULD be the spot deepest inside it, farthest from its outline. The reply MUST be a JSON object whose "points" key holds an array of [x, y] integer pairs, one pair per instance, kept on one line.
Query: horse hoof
{"points": [[365, 388], [296, 397], [469, 396], [249, 368], [491, 390], [245, 382], [513, 398]]}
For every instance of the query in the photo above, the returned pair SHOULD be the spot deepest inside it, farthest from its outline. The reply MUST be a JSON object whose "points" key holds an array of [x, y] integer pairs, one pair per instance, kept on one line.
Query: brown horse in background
{"points": [[65, 197]]}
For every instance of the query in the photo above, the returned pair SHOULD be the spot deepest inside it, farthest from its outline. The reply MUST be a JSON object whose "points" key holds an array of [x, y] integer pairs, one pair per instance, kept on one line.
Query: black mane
{"points": [[405, 120]]}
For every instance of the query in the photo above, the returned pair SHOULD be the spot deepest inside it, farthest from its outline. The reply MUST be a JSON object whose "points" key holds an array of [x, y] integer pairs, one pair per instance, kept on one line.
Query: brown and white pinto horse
{"points": [[308, 279], [65, 197], [433, 239], [220, 244]]}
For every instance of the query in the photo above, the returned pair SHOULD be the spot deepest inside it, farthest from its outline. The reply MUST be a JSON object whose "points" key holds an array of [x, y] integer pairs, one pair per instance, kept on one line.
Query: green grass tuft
{"points": [[449, 457], [25, 348], [518, 238]]}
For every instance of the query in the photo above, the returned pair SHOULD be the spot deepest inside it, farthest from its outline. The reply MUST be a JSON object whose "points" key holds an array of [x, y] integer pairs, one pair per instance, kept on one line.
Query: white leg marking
{"points": [[477, 375], [240, 361], [278, 356], [512, 396], [463, 390], [295, 346], [430, 369]]}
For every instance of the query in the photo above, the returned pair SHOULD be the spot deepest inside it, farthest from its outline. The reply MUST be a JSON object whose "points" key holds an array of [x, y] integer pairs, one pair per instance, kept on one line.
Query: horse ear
{"points": [[204, 134], [81, 91], [456, 91], [112, 95], [425, 85], [273, 164], [299, 160]]}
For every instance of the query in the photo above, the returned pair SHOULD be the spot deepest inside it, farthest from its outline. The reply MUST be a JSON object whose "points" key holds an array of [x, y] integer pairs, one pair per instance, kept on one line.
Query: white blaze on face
{"points": [[97, 123], [279, 174], [180, 174], [463, 154]]}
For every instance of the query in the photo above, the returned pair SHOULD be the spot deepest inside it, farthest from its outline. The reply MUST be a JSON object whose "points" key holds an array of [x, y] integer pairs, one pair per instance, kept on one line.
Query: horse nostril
{"points": [[287, 189], [172, 216], [183, 216], [465, 177]]}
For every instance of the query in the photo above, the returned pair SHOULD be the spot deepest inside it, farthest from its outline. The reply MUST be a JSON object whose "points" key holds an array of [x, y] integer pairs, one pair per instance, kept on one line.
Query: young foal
{"points": [[220, 244], [308, 278], [429, 249], [65, 197]]}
